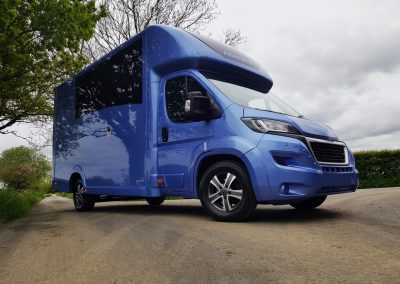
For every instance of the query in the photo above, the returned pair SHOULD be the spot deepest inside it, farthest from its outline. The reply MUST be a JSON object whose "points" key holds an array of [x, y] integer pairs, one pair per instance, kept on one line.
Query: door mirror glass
{"points": [[187, 101], [197, 107]]}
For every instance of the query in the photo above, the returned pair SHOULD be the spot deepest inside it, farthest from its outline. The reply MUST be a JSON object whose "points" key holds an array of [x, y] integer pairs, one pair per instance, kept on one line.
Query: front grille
{"points": [[330, 153], [336, 189], [337, 169]]}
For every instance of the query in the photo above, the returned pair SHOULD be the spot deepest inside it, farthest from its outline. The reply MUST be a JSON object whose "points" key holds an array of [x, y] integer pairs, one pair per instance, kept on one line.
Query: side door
{"points": [[180, 141], [111, 120]]}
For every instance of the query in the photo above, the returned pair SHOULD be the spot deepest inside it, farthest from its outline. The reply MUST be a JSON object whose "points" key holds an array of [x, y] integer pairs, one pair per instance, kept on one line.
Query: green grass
{"points": [[63, 194], [171, 197], [14, 203]]}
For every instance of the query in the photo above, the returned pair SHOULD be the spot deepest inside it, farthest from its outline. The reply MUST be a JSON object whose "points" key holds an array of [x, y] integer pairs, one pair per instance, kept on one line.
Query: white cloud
{"points": [[8, 141]]}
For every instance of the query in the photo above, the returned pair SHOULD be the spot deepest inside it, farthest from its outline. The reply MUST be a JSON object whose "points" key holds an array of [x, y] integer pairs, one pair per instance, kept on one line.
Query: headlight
{"points": [[267, 125]]}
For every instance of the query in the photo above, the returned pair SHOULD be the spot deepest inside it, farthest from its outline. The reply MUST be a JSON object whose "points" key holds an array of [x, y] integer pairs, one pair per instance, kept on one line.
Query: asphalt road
{"points": [[352, 238]]}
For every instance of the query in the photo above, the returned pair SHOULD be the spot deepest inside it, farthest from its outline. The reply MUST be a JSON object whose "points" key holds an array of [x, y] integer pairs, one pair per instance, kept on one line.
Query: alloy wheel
{"points": [[78, 196], [225, 192]]}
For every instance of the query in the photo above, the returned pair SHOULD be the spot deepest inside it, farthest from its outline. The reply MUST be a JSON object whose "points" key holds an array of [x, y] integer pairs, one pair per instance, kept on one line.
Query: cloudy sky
{"points": [[337, 62]]}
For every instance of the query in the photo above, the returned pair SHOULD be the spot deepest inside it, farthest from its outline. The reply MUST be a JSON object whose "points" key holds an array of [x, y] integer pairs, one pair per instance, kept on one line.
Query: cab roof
{"points": [[167, 49]]}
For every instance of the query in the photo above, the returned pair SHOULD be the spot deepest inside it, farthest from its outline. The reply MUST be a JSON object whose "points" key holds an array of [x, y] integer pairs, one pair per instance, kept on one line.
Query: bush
{"points": [[33, 197], [11, 205], [378, 168], [43, 186], [22, 167], [17, 203]]}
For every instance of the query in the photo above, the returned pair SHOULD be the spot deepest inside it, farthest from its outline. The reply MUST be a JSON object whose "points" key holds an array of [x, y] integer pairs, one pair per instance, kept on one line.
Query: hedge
{"points": [[378, 168]]}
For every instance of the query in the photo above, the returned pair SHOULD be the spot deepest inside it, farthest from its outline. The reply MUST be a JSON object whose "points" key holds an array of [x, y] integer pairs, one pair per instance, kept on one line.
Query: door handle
{"points": [[164, 134]]}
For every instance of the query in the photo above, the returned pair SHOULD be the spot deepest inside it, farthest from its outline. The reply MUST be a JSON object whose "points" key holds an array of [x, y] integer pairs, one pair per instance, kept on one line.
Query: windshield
{"points": [[253, 99]]}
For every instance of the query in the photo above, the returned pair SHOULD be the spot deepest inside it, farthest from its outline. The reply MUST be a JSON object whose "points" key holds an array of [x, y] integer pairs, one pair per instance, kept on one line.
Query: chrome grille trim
{"points": [[346, 155]]}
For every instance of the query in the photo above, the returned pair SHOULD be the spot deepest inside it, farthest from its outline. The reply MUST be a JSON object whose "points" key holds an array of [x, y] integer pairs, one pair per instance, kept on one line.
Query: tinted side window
{"points": [[176, 90], [116, 81]]}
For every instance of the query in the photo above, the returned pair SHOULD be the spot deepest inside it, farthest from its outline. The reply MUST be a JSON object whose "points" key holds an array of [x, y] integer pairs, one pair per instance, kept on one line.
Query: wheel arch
{"points": [[251, 161], [74, 177], [77, 173], [209, 160]]}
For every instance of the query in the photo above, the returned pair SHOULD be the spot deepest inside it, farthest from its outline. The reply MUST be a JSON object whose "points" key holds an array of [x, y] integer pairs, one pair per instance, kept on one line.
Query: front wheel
{"points": [[309, 204], [82, 201], [226, 193]]}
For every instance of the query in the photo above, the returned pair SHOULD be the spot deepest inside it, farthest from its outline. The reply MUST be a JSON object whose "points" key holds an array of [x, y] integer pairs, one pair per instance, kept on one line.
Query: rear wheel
{"points": [[155, 201], [82, 201], [226, 193], [309, 204]]}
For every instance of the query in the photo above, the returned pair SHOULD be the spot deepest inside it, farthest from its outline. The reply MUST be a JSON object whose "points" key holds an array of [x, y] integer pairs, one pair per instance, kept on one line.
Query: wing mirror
{"points": [[199, 107]]}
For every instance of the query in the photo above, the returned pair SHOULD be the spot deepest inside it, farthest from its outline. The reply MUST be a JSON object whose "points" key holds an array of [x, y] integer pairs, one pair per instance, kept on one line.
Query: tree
{"points": [[233, 37], [21, 167], [40, 43], [129, 17]]}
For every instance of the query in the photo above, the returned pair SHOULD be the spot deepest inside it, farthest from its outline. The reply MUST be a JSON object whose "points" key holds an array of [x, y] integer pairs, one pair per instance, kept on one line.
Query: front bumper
{"points": [[283, 169]]}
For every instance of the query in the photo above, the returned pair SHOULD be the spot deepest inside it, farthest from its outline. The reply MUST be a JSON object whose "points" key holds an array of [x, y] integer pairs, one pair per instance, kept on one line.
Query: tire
{"points": [[309, 204], [226, 193], [82, 201], [155, 201]]}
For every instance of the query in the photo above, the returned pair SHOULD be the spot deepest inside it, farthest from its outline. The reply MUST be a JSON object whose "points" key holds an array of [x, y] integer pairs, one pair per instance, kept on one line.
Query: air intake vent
{"points": [[328, 152], [336, 189], [337, 169], [280, 161]]}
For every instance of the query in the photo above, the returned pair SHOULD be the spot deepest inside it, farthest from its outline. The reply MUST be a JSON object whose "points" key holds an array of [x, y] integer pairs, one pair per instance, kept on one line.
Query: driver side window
{"points": [[176, 91]]}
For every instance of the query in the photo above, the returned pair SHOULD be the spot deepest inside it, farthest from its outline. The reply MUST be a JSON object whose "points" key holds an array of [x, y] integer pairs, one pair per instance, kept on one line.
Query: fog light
{"points": [[284, 189]]}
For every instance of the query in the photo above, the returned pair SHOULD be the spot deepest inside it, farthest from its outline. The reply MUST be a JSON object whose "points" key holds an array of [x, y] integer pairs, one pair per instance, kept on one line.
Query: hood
{"points": [[307, 127]]}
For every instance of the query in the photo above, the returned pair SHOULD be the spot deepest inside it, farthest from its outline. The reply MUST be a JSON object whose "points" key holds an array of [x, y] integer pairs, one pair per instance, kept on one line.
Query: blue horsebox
{"points": [[174, 113]]}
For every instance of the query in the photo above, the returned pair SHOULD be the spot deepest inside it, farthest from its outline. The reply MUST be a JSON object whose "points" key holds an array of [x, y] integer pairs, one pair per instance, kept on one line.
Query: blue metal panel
{"points": [[118, 156]]}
